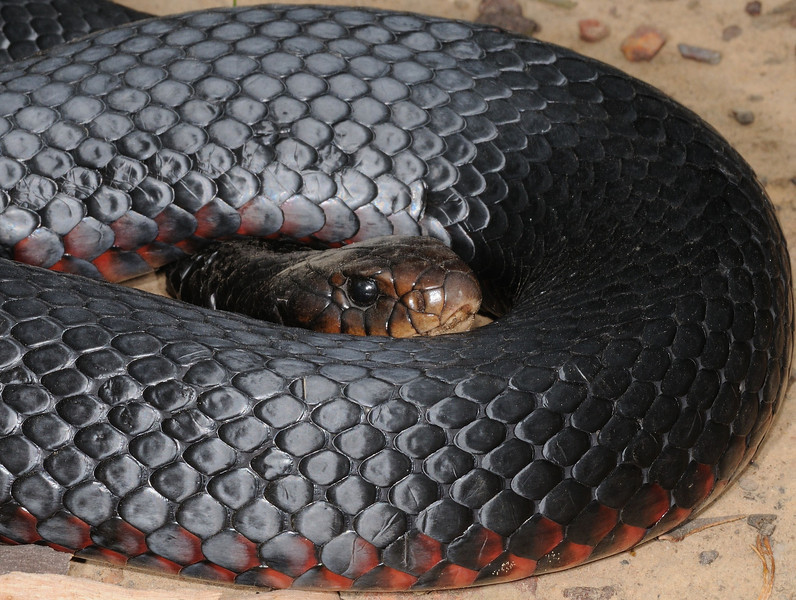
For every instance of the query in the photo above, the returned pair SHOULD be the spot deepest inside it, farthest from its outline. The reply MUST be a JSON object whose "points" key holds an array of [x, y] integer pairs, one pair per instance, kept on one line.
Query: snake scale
{"points": [[644, 356]]}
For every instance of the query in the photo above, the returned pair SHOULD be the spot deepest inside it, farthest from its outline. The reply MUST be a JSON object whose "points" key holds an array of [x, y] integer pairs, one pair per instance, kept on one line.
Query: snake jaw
{"points": [[430, 315], [352, 322], [445, 300]]}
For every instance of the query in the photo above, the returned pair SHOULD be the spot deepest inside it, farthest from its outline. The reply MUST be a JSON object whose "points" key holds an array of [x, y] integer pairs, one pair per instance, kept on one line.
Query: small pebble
{"points": [[698, 54], [510, 7], [506, 14], [754, 8], [747, 482], [708, 556], [643, 44], [730, 32], [511, 23], [607, 592], [562, 3], [744, 117], [592, 30], [763, 523]]}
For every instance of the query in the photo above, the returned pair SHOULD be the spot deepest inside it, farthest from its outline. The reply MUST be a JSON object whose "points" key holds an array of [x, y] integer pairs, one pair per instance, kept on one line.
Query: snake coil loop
{"points": [[644, 358]]}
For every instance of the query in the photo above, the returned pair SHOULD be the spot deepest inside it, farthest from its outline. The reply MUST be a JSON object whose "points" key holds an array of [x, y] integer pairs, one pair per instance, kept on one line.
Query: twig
{"points": [[679, 534], [763, 550]]}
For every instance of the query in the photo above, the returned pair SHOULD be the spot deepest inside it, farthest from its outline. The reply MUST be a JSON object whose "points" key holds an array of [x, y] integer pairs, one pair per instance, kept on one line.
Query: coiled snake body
{"points": [[643, 359]]}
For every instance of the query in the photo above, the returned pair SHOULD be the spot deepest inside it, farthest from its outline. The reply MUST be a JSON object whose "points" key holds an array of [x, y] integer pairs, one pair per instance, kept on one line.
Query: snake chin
{"points": [[461, 321]]}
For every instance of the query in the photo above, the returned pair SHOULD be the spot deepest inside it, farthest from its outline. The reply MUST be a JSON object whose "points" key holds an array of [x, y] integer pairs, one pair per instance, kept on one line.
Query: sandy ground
{"points": [[757, 73]]}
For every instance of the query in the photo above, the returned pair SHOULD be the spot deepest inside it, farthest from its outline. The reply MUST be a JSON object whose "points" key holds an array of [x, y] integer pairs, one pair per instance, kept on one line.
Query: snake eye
{"points": [[363, 291]]}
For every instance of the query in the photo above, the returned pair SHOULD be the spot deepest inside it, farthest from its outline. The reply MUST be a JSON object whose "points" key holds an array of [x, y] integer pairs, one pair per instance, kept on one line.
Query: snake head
{"points": [[390, 286]]}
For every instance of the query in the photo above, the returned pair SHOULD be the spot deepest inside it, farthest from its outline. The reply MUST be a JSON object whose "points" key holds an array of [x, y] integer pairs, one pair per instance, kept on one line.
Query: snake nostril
{"points": [[415, 301]]}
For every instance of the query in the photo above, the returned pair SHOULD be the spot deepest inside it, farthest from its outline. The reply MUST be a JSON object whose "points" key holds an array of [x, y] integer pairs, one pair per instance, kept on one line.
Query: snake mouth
{"points": [[450, 307]]}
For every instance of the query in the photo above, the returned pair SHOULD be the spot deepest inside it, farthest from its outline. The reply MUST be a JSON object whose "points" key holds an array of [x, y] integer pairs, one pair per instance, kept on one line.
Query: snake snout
{"points": [[445, 300]]}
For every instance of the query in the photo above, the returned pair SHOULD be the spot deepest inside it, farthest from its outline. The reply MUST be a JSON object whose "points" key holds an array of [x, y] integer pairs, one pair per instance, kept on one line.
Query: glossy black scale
{"points": [[28, 27], [643, 359]]}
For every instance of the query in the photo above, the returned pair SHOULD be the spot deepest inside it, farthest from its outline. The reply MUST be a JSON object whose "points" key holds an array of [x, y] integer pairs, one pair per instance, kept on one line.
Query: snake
{"points": [[643, 350]]}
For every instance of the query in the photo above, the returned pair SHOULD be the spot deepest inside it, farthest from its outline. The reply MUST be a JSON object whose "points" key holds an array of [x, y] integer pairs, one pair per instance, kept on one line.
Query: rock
{"points": [[592, 30], [754, 8], [744, 117], [765, 524], [731, 32], [643, 44], [506, 14], [699, 54], [561, 3], [708, 556], [590, 593]]}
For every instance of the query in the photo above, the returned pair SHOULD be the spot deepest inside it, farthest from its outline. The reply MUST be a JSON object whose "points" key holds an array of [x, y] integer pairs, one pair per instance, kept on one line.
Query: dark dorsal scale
{"points": [[643, 360]]}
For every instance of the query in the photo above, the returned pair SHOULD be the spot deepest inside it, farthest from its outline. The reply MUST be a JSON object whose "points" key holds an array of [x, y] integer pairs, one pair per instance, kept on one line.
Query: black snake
{"points": [[645, 354]]}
